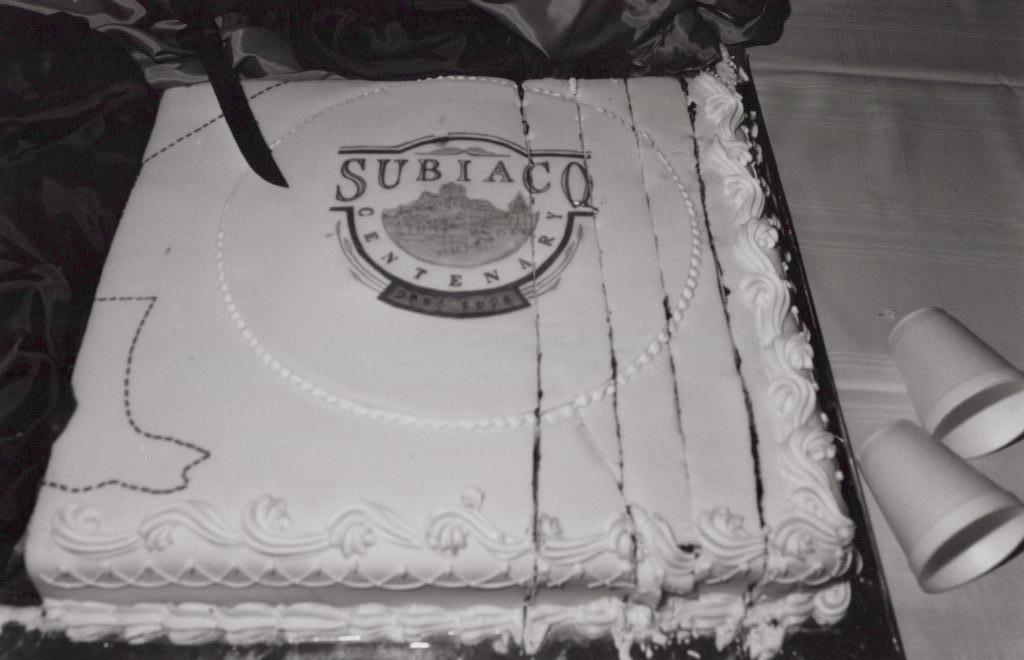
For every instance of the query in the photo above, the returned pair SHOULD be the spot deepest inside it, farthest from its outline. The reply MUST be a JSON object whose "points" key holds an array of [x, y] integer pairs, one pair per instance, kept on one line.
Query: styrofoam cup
{"points": [[951, 521], [965, 394]]}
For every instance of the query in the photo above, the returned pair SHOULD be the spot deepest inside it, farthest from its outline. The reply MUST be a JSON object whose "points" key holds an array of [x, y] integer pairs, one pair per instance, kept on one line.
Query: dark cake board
{"points": [[867, 631]]}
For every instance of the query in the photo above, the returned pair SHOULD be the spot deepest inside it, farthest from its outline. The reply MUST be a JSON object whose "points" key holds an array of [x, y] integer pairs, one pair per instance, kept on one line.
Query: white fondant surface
{"points": [[478, 354]]}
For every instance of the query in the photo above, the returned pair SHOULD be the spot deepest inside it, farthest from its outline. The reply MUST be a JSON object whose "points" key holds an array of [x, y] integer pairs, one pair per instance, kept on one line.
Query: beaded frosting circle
{"points": [[566, 408]]}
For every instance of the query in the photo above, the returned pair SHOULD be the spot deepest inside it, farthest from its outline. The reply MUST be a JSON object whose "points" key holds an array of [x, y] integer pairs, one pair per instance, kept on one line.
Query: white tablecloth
{"points": [[899, 134]]}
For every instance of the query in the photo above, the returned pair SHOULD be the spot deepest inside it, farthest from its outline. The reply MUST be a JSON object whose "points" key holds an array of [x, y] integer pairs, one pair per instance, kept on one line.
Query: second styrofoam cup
{"points": [[952, 522]]}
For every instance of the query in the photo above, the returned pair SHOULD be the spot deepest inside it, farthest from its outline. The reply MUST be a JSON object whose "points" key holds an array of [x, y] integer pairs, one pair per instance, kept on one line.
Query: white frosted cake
{"points": [[504, 363]]}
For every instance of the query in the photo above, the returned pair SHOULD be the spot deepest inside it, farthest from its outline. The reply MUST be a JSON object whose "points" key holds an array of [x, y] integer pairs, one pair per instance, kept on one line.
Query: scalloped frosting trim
{"points": [[265, 529], [258, 623], [718, 615], [561, 410], [627, 623], [762, 625], [812, 545], [727, 550]]}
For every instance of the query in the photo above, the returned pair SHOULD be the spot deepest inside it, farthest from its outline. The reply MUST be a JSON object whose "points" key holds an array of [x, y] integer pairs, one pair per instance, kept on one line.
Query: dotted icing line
{"points": [[564, 410], [205, 124], [672, 327], [204, 454]]}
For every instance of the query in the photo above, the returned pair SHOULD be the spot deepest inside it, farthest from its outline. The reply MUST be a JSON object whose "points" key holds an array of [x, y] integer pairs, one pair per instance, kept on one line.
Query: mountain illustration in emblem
{"points": [[448, 228]]}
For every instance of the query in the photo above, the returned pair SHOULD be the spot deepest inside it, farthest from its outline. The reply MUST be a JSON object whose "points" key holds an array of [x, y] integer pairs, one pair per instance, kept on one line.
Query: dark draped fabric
{"points": [[75, 115], [391, 39], [523, 38]]}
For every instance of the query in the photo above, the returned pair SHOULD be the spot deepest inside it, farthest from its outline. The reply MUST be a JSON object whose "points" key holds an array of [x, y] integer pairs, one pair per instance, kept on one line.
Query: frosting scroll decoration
{"points": [[811, 544], [266, 529], [728, 548]]}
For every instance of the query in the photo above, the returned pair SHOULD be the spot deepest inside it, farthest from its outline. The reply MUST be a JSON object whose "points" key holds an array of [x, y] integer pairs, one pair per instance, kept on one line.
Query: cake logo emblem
{"points": [[462, 225]]}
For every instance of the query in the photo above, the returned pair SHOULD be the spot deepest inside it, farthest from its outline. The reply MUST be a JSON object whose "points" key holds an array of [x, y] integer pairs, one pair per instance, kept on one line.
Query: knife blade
{"points": [[228, 90]]}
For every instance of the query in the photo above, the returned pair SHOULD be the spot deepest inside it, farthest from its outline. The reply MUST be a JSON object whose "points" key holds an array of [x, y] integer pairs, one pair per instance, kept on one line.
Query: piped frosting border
{"points": [[811, 543]]}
